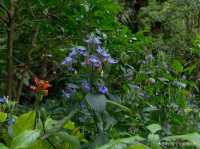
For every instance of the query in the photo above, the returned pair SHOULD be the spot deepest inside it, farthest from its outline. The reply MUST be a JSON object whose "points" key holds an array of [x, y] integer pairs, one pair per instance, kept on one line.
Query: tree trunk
{"points": [[10, 32]]}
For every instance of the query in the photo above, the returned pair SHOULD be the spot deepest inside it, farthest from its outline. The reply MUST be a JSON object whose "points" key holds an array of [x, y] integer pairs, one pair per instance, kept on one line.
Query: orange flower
{"points": [[40, 86]]}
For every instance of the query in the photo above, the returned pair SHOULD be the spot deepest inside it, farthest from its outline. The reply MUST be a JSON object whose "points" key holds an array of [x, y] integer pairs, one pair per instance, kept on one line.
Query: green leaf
{"points": [[121, 143], [2, 146], [25, 139], [40, 144], [193, 138], [60, 124], [177, 66], [138, 146], [153, 128], [190, 69], [97, 102], [124, 108], [69, 125], [3, 116], [72, 140], [24, 122], [50, 123], [153, 138]]}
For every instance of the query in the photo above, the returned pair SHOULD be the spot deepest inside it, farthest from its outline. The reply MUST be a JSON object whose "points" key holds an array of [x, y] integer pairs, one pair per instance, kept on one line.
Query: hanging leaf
{"points": [[25, 139]]}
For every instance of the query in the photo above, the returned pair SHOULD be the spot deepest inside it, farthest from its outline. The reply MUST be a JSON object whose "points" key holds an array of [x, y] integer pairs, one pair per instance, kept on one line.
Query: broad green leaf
{"points": [[69, 139], [3, 116], [40, 144], [138, 146], [153, 128], [25, 139], [121, 143], [2, 146], [193, 138], [24, 122], [97, 102]]}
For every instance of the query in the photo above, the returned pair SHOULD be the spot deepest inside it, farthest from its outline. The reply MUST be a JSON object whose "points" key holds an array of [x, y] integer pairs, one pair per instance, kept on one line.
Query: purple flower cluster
{"points": [[94, 58], [85, 86], [88, 87], [71, 88], [105, 55], [94, 61], [75, 51], [101, 55]]}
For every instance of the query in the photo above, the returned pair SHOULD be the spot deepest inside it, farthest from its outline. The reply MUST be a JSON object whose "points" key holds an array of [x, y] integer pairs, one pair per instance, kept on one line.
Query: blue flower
{"points": [[86, 86], [73, 52], [102, 52], [100, 49], [105, 55], [103, 89], [95, 61], [93, 40], [67, 60], [2, 100], [112, 61], [82, 50]]}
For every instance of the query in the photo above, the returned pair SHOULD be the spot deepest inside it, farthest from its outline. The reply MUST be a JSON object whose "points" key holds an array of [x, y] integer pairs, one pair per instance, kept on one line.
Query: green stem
{"points": [[119, 105]]}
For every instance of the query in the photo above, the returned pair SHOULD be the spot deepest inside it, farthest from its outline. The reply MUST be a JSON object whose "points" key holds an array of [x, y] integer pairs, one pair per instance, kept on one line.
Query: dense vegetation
{"points": [[99, 74]]}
